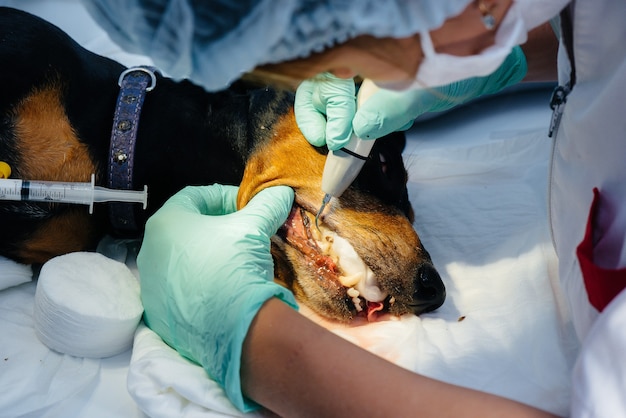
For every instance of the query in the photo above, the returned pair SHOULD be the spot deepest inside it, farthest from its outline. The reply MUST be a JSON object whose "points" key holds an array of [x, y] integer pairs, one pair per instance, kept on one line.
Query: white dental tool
{"points": [[68, 192], [342, 166]]}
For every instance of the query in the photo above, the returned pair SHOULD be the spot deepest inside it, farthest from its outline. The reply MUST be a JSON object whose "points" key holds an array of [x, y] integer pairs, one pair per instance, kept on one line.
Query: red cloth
{"points": [[602, 284]]}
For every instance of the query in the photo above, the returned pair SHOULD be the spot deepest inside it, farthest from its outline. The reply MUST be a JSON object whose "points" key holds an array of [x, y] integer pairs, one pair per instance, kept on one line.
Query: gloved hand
{"points": [[206, 269], [324, 108], [387, 111]]}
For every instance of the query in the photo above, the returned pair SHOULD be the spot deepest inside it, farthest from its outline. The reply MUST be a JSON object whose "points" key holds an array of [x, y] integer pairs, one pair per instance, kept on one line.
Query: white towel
{"points": [[166, 385], [34, 379], [12, 273]]}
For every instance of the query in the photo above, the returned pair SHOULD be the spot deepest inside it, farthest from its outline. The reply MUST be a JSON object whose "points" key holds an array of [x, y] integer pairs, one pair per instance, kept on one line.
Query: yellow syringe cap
{"points": [[5, 170]]}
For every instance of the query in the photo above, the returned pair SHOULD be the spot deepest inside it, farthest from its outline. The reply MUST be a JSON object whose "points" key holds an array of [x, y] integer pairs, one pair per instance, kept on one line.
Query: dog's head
{"points": [[365, 257]]}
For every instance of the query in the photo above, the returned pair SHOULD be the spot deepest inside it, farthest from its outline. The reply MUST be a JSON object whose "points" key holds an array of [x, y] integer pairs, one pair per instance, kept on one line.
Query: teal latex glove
{"points": [[326, 111], [324, 108], [387, 111], [206, 269]]}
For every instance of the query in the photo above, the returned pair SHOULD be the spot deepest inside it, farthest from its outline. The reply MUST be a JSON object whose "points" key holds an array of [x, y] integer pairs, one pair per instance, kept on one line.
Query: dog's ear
{"points": [[384, 174], [393, 142]]}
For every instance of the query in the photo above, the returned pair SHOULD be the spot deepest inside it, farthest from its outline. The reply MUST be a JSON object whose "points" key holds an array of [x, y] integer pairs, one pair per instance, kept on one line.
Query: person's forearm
{"points": [[541, 50], [294, 367]]}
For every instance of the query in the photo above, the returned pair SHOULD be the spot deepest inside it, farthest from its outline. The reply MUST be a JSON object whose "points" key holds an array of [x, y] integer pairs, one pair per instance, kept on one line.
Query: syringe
{"points": [[68, 192]]}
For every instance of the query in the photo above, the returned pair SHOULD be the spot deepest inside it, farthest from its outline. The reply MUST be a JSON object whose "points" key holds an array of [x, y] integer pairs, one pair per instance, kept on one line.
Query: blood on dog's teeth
{"points": [[297, 233]]}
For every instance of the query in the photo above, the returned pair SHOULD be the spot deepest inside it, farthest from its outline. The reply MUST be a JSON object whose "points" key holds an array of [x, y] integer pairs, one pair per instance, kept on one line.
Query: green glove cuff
{"points": [[510, 72], [388, 111]]}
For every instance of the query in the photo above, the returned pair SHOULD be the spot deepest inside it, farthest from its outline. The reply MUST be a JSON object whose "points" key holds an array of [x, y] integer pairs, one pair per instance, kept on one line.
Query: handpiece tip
{"points": [[327, 198], [317, 218]]}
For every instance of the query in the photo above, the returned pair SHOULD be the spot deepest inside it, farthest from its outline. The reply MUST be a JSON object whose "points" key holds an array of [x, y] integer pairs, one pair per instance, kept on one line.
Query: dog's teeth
{"points": [[349, 281], [354, 294]]}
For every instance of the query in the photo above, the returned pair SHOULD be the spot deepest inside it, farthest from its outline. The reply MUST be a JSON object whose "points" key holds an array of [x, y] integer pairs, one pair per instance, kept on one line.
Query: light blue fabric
{"points": [[213, 42], [206, 270]]}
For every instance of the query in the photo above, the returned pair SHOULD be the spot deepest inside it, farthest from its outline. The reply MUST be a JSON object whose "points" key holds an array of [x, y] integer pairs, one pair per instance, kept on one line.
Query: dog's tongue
{"points": [[372, 308]]}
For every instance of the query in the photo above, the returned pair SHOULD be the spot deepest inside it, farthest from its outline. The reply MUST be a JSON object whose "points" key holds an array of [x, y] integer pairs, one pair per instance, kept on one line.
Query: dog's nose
{"points": [[430, 291]]}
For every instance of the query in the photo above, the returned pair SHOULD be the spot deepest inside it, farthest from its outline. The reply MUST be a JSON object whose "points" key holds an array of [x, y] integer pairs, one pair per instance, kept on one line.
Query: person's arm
{"points": [[541, 50], [295, 367]]}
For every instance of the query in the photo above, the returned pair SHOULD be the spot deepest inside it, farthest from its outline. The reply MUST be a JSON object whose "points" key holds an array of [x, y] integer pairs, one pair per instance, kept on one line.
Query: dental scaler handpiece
{"points": [[343, 165]]}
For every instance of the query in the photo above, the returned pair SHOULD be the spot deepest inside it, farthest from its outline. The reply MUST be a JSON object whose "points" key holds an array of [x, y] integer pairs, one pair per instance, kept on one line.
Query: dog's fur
{"points": [[56, 109]]}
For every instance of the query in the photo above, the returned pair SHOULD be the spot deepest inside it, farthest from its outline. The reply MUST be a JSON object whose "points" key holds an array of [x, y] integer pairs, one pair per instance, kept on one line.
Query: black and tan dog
{"points": [[57, 103]]}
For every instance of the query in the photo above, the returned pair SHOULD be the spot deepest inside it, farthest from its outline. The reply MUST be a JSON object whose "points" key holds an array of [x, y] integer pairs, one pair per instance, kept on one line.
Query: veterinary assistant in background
{"points": [[427, 49]]}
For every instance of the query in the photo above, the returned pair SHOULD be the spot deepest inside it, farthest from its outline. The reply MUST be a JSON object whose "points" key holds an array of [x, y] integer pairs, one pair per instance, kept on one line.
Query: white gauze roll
{"points": [[87, 305]]}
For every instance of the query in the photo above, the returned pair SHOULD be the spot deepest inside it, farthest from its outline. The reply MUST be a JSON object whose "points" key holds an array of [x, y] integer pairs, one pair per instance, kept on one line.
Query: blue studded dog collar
{"points": [[134, 83]]}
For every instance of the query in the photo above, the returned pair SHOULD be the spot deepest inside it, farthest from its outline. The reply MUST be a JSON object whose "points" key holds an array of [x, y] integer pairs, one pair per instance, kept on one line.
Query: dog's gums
{"points": [[335, 262]]}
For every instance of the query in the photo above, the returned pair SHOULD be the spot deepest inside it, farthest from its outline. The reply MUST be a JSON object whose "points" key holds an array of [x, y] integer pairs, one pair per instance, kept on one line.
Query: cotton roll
{"points": [[87, 305]]}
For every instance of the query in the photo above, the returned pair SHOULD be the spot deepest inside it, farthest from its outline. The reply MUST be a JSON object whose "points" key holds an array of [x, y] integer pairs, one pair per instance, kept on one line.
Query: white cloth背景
{"points": [[13, 273]]}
